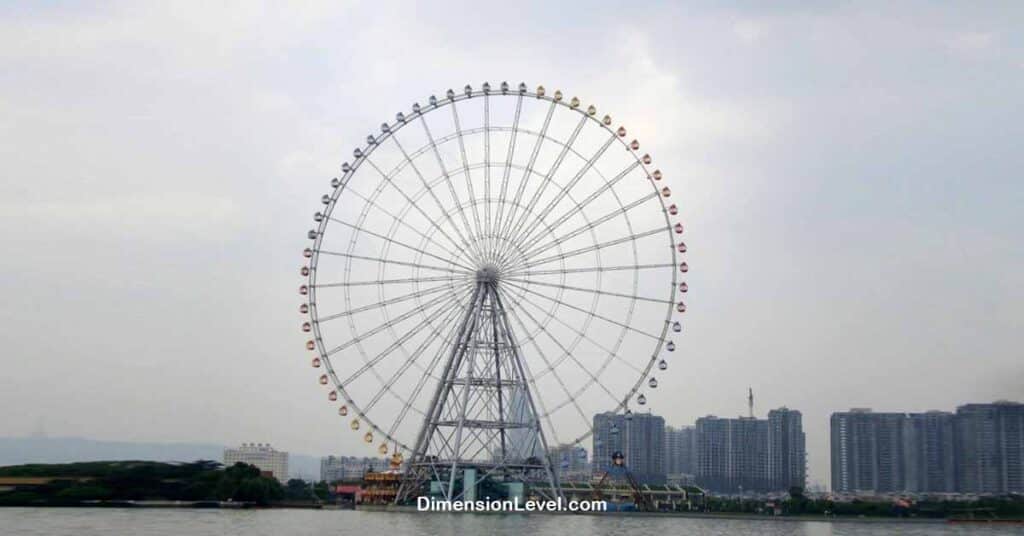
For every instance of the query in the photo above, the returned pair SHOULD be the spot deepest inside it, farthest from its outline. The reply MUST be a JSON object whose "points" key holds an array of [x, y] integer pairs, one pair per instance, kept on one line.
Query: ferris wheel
{"points": [[489, 271]]}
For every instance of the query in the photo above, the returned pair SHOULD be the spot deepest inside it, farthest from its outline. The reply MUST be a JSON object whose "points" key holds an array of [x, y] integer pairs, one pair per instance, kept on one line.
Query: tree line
{"points": [[798, 504], [202, 480]]}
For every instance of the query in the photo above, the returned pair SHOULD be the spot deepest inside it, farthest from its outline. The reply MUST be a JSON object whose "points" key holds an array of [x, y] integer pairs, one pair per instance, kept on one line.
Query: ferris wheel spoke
{"points": [[409, 361], [596, 374], [548, 177], [512, 256], [513, 212], [590, 290], [465, 170], [390, 261], [462, 243], [510, 253], [590, 269], [552, 370], [572, 184], [387, 281], [531, 250], [442, 350], [572, 398], [487, 160], [413, 228], [434, 332], [451, 189], [391, 240], [447, 300], [609, 184], [594, 247], [466, 243], [542, 327], [545, 414], [611, 353], [387, 302], [584, 311], [499, 218], [398, 319]]}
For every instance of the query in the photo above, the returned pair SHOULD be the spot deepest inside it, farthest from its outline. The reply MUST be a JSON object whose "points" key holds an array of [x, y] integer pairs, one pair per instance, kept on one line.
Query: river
{"points": [[282, 522]]}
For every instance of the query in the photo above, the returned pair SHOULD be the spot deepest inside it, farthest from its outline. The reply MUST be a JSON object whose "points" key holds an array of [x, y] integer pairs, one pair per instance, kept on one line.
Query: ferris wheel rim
{"points": [[363, 158]]}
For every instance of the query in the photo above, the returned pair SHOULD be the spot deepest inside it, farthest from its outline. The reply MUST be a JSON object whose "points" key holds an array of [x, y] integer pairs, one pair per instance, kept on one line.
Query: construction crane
{"points": [[640, 499]]}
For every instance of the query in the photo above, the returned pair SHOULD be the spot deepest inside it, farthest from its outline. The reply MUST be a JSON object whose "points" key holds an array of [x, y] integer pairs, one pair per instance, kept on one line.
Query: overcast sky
{"points": [[851, 177]]}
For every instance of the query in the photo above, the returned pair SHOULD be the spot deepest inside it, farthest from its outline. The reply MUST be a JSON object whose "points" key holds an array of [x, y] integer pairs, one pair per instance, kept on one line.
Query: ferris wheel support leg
{"points": [[476, 313], [452, 439], [413, 478], [552, 475], [497, 374]]}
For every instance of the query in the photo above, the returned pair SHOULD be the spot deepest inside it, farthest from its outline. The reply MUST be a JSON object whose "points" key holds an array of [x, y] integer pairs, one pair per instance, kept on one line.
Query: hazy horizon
{"points": [[850, 177]]}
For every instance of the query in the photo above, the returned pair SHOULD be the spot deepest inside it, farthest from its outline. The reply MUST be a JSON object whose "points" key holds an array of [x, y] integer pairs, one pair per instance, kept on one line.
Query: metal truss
{"points": [[482, 415]]}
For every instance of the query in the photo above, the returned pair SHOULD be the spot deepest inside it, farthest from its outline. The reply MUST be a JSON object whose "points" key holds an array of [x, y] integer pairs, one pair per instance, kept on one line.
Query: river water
{"points": [[168, 522]]}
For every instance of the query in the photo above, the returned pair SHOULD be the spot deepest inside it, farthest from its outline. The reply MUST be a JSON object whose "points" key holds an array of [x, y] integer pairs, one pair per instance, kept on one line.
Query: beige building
{"points": [[261, 455]]}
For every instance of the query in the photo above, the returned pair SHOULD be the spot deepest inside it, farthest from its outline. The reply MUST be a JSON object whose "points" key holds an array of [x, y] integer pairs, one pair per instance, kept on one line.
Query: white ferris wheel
{"points": [[490, 270]]}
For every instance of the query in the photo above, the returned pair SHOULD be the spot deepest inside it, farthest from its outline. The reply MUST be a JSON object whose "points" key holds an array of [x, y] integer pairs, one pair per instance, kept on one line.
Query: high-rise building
{"points": [[713, 468], [787, 456], [571, 463], [928, 449], [980, 449], [867, 451], [640, 438], [680, 450], [732, 454], [990, 447], [334, 468], [262, 456], [750, 454]]}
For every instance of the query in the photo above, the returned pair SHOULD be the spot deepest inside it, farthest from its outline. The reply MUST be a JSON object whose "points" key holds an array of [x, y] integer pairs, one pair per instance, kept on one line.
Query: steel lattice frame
{"points": [[489, 261]]}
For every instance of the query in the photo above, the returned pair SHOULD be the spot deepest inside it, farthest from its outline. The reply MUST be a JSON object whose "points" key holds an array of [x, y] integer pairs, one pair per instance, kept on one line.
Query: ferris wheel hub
{"points": [[488, 273]]}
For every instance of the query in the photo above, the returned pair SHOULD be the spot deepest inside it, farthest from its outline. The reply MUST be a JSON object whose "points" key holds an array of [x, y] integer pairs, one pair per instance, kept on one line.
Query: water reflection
{"points": [[151, 522]]}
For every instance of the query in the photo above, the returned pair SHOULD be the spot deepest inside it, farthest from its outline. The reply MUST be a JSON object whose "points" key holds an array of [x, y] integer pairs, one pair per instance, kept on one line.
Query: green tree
{"points": [[84, 492], [242, 482], [132, 480]]}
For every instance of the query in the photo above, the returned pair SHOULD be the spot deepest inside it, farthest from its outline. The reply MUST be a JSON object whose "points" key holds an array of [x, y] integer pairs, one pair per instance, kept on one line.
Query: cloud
{"points": [[850, 197], [666, 110], [973, 45], [151, 217], [748, 31]]}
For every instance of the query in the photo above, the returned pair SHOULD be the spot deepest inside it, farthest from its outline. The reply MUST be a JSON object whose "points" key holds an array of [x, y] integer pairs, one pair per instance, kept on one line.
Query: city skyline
{"points": [[900, 452], [849, 181], [978, 449]]}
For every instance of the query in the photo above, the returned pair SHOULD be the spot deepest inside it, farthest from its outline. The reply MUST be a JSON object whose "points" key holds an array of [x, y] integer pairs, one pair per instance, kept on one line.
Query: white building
{"points": [[334, 468], [261, 455]]}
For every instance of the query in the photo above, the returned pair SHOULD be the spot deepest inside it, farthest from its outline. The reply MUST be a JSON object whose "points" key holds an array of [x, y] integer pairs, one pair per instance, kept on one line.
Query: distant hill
{"points": [[22, 450]]}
